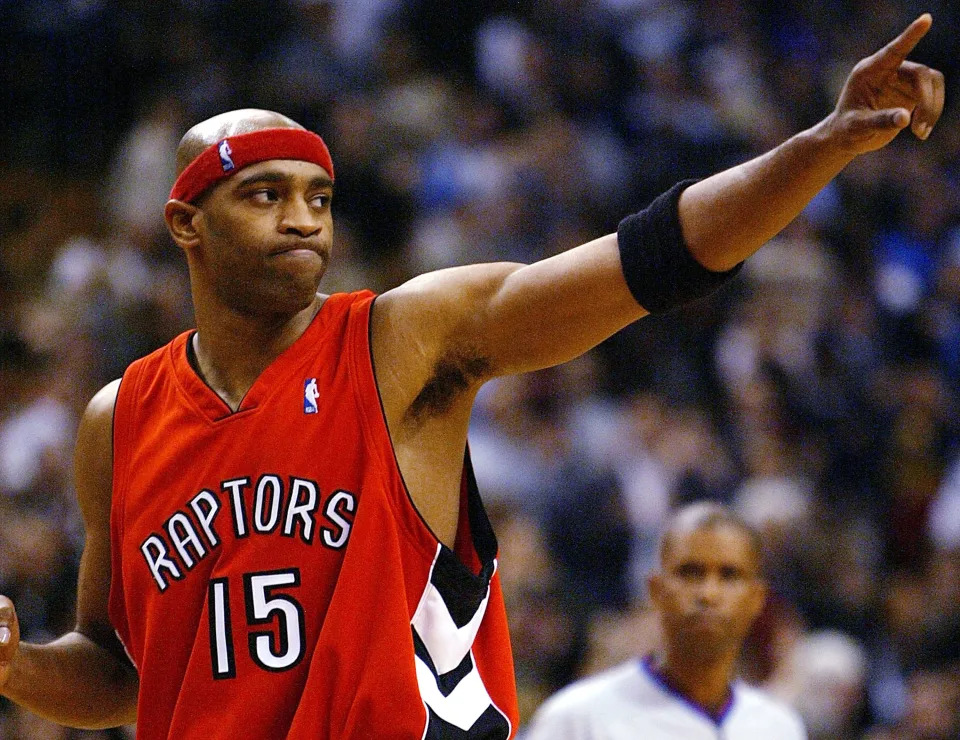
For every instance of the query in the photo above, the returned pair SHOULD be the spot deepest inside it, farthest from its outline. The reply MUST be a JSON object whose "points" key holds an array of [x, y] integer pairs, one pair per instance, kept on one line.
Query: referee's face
{"points": [[708, 591]]}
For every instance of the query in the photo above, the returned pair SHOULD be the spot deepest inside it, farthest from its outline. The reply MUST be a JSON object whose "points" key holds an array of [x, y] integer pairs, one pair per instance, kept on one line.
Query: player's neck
{"points": [[232, 350], [703, 682]]}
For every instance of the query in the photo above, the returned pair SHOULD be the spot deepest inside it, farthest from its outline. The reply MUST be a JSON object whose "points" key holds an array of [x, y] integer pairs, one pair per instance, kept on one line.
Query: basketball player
{"points": [[283, 537], [707, 592]]}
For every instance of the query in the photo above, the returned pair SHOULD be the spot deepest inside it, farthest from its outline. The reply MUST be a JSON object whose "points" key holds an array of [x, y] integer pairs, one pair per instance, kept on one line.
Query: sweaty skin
{"points": [[257, 252]]}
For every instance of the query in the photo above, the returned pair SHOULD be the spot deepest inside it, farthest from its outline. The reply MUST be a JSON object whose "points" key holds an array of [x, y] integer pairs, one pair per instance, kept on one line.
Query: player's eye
{"points": [[264, 195], [321, 200]]}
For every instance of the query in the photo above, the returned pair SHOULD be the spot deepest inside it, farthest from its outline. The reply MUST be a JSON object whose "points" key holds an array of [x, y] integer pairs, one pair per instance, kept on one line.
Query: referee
{"points": [[707, 592]]}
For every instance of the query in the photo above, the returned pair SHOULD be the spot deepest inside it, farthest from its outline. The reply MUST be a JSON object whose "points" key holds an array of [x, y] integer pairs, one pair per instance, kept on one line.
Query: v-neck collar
{"points": [[659, 678], [205, 399]]}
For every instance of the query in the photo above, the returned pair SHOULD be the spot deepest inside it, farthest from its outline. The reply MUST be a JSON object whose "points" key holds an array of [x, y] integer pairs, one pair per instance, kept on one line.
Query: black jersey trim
{"points": [[491, 725], [448, 681], [461, 590]]}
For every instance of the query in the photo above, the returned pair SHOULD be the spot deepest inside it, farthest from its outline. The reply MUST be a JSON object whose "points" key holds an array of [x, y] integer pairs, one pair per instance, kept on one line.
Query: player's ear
{"points": [[181, 221]]}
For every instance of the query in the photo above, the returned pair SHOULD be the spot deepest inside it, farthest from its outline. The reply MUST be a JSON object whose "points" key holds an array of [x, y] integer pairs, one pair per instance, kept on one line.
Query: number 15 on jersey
{"points": [[266, 603]]}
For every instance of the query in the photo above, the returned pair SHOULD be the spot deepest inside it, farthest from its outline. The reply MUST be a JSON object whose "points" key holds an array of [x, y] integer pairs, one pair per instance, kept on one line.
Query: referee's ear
{"points": [[655, 589], [181, 221], [758, 597]]}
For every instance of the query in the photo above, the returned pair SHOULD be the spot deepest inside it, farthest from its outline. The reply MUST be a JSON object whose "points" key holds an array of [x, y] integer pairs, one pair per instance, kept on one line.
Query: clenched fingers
{"points": [[930, 95], [924, 89], [9, 632]]}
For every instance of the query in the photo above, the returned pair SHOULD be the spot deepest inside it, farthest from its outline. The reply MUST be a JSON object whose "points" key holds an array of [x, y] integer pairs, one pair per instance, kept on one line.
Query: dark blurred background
{"points": [[817, 394]]}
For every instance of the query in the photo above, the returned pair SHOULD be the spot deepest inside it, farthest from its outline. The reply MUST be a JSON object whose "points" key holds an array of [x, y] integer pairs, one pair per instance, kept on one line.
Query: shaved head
{"points": [[707, 516], [209, 132]]}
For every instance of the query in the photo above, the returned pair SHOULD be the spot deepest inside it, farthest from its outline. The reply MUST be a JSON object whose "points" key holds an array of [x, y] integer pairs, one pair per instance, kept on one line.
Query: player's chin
{"points": [[299, 268], [294, 292]]}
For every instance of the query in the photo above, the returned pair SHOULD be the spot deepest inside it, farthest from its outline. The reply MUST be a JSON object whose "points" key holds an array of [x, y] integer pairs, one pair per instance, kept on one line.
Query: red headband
{"points": [[229, 155]]}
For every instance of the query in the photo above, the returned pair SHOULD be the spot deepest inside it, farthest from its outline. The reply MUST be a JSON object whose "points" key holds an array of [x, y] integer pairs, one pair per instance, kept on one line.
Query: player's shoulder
{"points": [[344, 306], [100, 406], [96, 424], [352, 296], [773, 713], [445, 297]]}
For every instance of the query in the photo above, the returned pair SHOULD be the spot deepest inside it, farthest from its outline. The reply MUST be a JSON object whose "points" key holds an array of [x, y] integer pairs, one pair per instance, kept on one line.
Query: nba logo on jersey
{"points": [[224, 150], [310, 396]]}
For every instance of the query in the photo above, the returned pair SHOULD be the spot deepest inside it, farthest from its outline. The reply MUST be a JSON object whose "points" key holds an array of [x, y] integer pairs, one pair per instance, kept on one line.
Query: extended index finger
{"points": [[893, 54]]}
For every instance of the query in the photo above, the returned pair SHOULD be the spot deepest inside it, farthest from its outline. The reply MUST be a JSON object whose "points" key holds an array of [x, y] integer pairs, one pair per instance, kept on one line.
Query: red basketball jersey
{"points": [[271, 577]]}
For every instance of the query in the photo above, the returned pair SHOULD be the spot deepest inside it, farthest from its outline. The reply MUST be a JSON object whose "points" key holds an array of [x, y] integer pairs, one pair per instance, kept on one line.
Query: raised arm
{"points": [[437, 338], [82, 679], [510, 318], [727, 217]]}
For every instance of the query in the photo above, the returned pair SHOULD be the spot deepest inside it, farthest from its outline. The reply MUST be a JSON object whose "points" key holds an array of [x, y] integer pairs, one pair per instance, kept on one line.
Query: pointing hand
{"points": [[885, 93]]}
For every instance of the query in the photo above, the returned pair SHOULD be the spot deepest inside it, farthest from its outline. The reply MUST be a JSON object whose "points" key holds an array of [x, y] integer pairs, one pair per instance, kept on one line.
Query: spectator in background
{"points": [[933, 709], [825, 680]]}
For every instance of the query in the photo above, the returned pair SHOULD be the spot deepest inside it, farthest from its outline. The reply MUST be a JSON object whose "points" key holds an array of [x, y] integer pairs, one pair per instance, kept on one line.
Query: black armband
{"points": [[659, 269]]}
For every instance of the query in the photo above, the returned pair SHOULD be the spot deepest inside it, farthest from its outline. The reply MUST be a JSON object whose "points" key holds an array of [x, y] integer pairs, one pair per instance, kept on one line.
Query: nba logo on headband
{"points": [[226, 157], [223, 148]]}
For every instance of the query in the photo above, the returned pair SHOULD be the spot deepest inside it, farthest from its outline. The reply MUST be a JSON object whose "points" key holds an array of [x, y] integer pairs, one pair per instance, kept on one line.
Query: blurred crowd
{"points": [[817, 395]]}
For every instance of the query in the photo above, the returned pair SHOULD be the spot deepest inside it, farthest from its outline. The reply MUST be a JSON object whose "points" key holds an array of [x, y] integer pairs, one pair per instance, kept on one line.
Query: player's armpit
{"points": [[436, 339], [84, 679]]}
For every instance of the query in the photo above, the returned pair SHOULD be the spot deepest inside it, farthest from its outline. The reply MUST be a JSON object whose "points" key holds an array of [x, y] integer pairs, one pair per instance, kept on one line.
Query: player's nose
{"points": [[297, 218]]}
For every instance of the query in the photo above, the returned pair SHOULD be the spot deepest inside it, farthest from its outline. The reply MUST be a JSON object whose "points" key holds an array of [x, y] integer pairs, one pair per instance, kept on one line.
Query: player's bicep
{"points": [[517, 318], [557, 309], [476, 322]]}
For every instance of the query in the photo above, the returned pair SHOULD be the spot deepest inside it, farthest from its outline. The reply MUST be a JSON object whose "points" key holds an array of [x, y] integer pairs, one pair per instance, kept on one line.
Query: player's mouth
{"points": [[297, 252], [300, 250]]}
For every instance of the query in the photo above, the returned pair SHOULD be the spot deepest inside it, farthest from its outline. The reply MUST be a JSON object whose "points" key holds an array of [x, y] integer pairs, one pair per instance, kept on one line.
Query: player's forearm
{"points": [[727, 217], [74, 682]]}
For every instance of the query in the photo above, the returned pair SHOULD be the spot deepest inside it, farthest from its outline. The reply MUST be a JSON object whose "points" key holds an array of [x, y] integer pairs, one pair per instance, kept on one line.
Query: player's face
{"points": [[266, 235], [708, 591]]}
